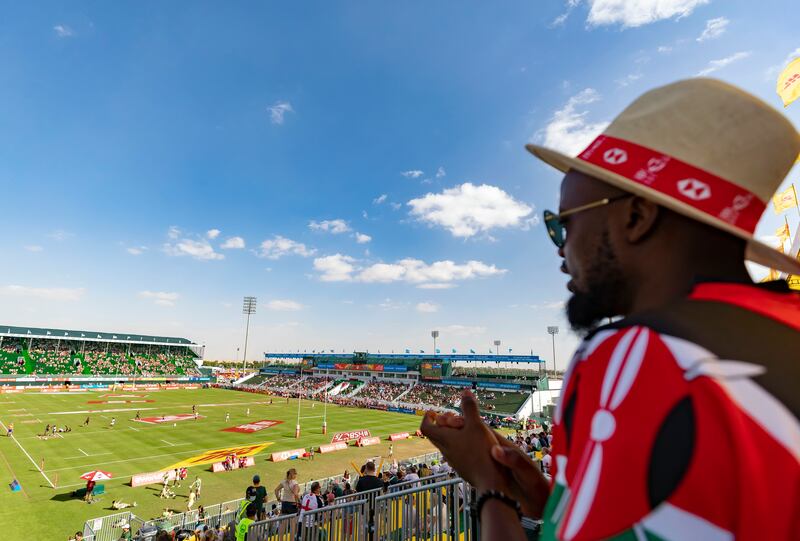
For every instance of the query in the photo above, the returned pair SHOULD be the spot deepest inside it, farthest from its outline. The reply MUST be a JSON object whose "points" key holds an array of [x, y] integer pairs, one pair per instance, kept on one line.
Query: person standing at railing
{"points": [[310, 502], [244, 524], [288, 493]]}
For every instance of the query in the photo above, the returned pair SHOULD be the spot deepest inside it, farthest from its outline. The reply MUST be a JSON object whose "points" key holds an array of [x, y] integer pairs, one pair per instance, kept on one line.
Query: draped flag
{"points": [[783, 232], [785, 200], [788, 86]]}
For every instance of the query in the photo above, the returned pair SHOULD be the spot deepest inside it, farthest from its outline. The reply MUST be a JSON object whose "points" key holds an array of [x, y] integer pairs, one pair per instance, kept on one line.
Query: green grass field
{"points": [[39, 511]]}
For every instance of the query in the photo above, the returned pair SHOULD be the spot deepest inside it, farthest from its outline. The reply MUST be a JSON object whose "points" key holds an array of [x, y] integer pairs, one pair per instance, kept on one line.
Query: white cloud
{"points": [[716, 65], [628, 79], [380, 199], [284, 305], [395, 206], [440, 172], [136, 250], [173, 232], [63, 31], [714, 28], [461, 330], [335, 268], [278, 247], [413, 173], [467, 210], [278, 110], [568, 130], [60, 234], [342, 268], [161, 298], [233, 243], [213, 233], [330, 226], [46, 293], [773, 71], [33, 248], [560, 20], [427, 307], [664, 49], [436, 286], [198, 249], [361, 238], [632, 13]]}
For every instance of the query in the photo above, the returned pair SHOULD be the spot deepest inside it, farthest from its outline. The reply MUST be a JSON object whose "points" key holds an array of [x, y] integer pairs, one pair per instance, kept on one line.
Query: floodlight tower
{"points": [[552, 331], [434, 335], [497, 347], [248, 309]]}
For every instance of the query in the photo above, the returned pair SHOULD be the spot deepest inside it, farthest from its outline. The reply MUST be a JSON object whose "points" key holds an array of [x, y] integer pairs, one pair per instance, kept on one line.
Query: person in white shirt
{"points": [[547, 461], [412, 474], [310, 502]]}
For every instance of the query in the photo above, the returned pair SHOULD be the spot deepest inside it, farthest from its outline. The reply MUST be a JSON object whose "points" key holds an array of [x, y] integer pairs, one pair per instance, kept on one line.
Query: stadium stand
{"points": [[379, 390], [435, 395]]}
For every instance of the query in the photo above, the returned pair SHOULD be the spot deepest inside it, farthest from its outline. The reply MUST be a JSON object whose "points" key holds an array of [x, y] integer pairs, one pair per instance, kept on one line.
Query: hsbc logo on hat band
{"points": [[687, 185], [615, 156], [694, 189]]}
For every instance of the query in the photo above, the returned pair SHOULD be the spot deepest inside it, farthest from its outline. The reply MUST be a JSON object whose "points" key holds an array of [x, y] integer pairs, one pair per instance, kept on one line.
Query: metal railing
{"points": [[435, 511], [109, 528]]}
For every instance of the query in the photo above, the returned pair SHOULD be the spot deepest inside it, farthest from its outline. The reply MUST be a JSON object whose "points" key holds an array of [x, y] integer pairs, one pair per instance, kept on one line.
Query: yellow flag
{"points": [[794, 282], [784, 200], [789, 82], [783, 233]]}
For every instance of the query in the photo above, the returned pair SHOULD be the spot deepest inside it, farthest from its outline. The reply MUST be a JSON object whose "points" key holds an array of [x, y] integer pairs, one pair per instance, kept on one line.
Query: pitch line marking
{"points": [[13, 437], [84, 452], [168, 443], [136, 429]]}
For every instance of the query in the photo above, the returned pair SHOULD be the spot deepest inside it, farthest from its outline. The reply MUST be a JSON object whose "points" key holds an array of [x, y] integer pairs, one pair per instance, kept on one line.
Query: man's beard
{"points": [[606, 294]]}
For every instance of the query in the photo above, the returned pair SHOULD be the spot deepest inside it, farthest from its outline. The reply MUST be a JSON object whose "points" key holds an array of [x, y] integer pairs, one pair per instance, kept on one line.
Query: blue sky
{"points": [[359, 167]]}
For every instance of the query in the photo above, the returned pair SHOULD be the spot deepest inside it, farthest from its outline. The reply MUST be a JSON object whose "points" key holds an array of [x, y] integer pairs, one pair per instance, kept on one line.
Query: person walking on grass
{"points": [[196, 485]]}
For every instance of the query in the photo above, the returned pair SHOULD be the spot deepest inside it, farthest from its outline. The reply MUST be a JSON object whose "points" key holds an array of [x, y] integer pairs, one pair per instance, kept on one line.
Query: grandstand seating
{"points": [[501, 402], [42, 358]]}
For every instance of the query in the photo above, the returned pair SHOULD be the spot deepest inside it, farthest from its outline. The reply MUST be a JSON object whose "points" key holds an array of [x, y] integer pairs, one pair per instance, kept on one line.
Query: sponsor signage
{"points": [[457, 382], [374, 440], [401, 410], [218, 455], [399, 436], [167, 418], [280, 456], [141, 479], [362, 367], [249, 428], [498, 386], [9, 391], [331, 447], [218, 467], [352, 435]]}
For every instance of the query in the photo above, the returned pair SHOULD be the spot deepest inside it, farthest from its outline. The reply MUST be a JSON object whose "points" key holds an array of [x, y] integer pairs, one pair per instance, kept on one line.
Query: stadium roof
{"points": [[92, 336], [379, 357]]}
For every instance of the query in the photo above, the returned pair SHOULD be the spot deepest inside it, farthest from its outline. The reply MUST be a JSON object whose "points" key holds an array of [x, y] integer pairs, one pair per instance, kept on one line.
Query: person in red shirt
{"points": [[89, 496], [680, 419]]}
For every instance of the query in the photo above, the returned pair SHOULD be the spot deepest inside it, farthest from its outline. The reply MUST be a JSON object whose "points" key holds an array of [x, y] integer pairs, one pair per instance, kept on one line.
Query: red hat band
{"points": [[685, 183]]}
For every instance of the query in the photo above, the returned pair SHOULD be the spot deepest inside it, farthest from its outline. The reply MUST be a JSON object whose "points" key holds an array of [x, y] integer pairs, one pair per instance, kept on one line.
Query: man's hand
{"points": [[466, 443], [529, 487]]}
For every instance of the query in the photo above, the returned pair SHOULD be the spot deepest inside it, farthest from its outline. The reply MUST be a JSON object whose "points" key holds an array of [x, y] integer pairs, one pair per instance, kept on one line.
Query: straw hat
{"points": [[702, 148]]}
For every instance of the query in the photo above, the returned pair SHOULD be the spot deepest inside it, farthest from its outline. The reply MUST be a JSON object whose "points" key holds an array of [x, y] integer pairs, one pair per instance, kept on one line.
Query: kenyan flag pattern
{"points": [[655, 438]]}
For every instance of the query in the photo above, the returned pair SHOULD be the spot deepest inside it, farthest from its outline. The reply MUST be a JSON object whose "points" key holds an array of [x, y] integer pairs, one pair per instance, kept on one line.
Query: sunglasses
{"points": [[556, 225]]}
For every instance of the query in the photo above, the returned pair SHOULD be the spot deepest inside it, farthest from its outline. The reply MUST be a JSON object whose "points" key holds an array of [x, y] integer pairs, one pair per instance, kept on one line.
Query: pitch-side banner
{"points": [[352, 435], [217, 455], [280, 456], [331, 447]]}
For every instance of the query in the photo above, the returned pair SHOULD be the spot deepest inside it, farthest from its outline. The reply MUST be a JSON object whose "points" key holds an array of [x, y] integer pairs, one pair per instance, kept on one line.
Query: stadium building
{"points": [[404, 382], [36, 356]]}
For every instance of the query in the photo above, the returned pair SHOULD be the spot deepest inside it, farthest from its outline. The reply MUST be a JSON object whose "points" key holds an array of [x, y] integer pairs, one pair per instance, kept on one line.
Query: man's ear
{"points": [[642, 218]]}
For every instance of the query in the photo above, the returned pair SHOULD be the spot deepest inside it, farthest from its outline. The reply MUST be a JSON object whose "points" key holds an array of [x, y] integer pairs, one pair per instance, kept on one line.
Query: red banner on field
{"points": [[141, 479], [374, 440], [352, 435], [331, 447], [400, 436], [255, 426], [280, 456]]}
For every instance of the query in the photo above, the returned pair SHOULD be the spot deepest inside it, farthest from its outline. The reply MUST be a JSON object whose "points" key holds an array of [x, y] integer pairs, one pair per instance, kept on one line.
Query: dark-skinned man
{"points": [[679, 421]]}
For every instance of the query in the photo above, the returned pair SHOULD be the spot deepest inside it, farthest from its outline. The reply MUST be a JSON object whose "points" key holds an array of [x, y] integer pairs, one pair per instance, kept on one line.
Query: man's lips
{"points": [[571, 286]]}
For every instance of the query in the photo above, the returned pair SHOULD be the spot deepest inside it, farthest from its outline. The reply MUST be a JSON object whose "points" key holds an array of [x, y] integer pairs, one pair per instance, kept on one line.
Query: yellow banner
{"points": [[783, 233], [784, 200], [794, 282], [218, 455], [788, 86]]}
